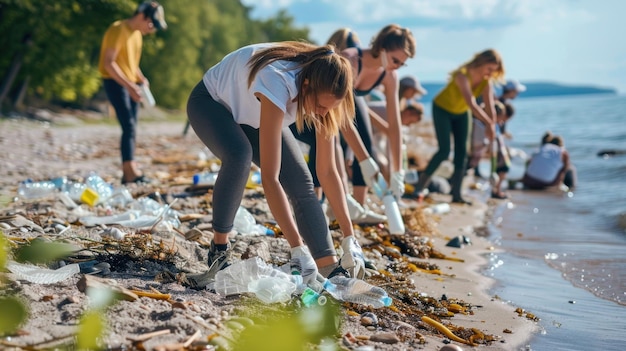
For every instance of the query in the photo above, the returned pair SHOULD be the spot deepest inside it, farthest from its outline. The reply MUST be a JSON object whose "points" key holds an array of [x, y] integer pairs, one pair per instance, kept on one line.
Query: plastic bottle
{"points": [[59, 182], [236, 278], [440, 208], [36, 190], [394, 216], [246, 224], [100, 190], [39, 275], [204, 178], [254, 180], [311, 297], [74, 190], [271, 289], [357, 291], [148, 98]]}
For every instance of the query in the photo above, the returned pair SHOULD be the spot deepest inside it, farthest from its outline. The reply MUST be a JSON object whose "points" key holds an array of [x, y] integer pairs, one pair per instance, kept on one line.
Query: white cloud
{"points": [[575, 41]]}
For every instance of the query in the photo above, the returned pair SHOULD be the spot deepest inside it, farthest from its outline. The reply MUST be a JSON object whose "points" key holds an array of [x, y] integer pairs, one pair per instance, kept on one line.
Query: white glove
{"points": [[352, 259], [303, 263], [369, 169], [397, 184]]}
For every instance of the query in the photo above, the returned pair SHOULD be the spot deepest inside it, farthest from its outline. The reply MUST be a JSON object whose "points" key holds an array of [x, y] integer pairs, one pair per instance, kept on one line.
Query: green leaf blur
{"points": [[4, 250], [14, 313], [288, 328], [90, 329], [42, 252]]}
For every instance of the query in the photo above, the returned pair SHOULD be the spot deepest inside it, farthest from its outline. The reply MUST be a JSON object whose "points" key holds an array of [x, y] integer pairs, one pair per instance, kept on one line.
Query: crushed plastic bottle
{"points": [[357, 291], [237, 279], [246, 224], [272, 289], [30, 190], [100, 190], [39, 275]]}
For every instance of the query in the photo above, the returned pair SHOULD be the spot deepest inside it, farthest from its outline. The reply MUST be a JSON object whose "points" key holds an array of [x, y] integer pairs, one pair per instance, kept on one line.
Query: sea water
{"points": [[564, 253]]}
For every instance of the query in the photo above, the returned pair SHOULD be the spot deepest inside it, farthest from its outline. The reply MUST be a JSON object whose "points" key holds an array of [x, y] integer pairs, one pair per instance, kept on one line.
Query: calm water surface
{"points": [[565, 253]]}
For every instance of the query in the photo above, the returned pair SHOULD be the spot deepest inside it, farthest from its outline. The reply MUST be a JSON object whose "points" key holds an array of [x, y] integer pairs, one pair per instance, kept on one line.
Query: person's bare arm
{"points": [[331, 183], [391, 84], [463, 83], [378, 121], [354, 141], [112, 68], [270, 144]]}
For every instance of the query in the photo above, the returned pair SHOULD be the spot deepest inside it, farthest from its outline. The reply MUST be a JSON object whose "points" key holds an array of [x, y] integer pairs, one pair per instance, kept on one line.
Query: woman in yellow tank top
{"points": [[452, 114]]}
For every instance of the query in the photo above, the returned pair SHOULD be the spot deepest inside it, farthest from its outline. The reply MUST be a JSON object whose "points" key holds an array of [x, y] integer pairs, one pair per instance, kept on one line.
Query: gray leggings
{"points": [[237, 146]]}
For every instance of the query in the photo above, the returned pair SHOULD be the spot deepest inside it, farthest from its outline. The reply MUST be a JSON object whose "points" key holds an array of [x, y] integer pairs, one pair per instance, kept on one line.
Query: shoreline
{"points": [[495, 316], [44, 151]]}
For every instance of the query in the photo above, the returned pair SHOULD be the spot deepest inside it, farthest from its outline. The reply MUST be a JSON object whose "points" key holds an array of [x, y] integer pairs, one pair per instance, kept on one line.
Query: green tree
{"points": [[51, 49]]}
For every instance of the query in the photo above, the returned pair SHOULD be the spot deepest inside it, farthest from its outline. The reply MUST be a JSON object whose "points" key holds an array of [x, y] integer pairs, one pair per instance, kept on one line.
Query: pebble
{"points": [[385, 338], [451, 348]]}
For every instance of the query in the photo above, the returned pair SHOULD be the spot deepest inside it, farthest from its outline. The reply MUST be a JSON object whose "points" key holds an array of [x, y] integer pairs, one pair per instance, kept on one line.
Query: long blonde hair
{"points": [[325, 71], [482, 58]]}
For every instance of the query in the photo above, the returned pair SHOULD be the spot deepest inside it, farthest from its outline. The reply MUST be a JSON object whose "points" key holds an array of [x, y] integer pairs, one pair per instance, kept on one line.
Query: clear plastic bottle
{"points": [[204, 178], [357, 291], [237, 278], [99, 186], [394, 216], [30, 190], [39, 275], [74, 190], [311, 297], [246, 224]]}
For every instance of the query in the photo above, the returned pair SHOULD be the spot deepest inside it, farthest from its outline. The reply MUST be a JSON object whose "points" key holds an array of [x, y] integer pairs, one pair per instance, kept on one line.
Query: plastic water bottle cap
{"points": [[387, 301], [196, 179]]}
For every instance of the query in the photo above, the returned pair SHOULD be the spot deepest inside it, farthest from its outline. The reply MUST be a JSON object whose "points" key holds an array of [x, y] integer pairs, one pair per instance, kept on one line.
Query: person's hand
{"points": [[370, 170], [135, 93], [490, 131], [352, 259], [303, 263], [397, 184]]}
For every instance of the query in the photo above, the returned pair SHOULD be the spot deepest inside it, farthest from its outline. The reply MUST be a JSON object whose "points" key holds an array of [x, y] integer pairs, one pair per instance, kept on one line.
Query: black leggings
{"points": [[364, 127], [237, 146], [126, 112]]}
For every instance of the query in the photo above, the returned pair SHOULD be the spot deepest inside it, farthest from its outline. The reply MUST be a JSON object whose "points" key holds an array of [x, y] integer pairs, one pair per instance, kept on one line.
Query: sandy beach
{"points": [[199, 319]]}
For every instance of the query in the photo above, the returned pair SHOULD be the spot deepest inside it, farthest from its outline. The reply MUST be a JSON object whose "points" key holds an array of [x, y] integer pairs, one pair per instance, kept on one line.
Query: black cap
{"points": [[155, 12]]}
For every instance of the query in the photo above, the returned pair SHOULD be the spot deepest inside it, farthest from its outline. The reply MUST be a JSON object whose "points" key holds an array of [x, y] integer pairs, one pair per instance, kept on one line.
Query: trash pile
{"points": [[140, 239]]}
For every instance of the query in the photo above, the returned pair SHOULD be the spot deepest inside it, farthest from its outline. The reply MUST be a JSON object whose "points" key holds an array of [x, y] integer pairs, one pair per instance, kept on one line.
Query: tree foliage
{"points": [[54, 45]]}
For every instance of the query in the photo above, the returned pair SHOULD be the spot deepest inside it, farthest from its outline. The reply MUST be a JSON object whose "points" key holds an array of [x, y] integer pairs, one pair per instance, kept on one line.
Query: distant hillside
{"points": [[534, 89]]}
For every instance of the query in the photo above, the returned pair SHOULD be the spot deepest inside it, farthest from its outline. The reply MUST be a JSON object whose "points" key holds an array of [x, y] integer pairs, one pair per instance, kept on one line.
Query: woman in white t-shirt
{"points": [[241, 110], [550, 166]]}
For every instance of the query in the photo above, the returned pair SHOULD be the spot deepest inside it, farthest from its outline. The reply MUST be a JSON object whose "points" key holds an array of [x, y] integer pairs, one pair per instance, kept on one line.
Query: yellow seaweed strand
{"points": [[447, 332]]}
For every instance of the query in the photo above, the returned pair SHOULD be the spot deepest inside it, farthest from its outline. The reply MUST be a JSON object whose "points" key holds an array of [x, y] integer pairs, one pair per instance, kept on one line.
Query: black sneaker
{"points": [[339, 271], [217, 260]]}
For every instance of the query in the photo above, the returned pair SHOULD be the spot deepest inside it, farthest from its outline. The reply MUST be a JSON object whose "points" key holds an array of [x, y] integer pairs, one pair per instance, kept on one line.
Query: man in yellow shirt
{"points": [[120, 54]]}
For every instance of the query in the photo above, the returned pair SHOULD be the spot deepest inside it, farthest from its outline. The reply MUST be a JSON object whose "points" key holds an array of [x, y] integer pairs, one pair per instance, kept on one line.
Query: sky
{"points": [[574, 42]]}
